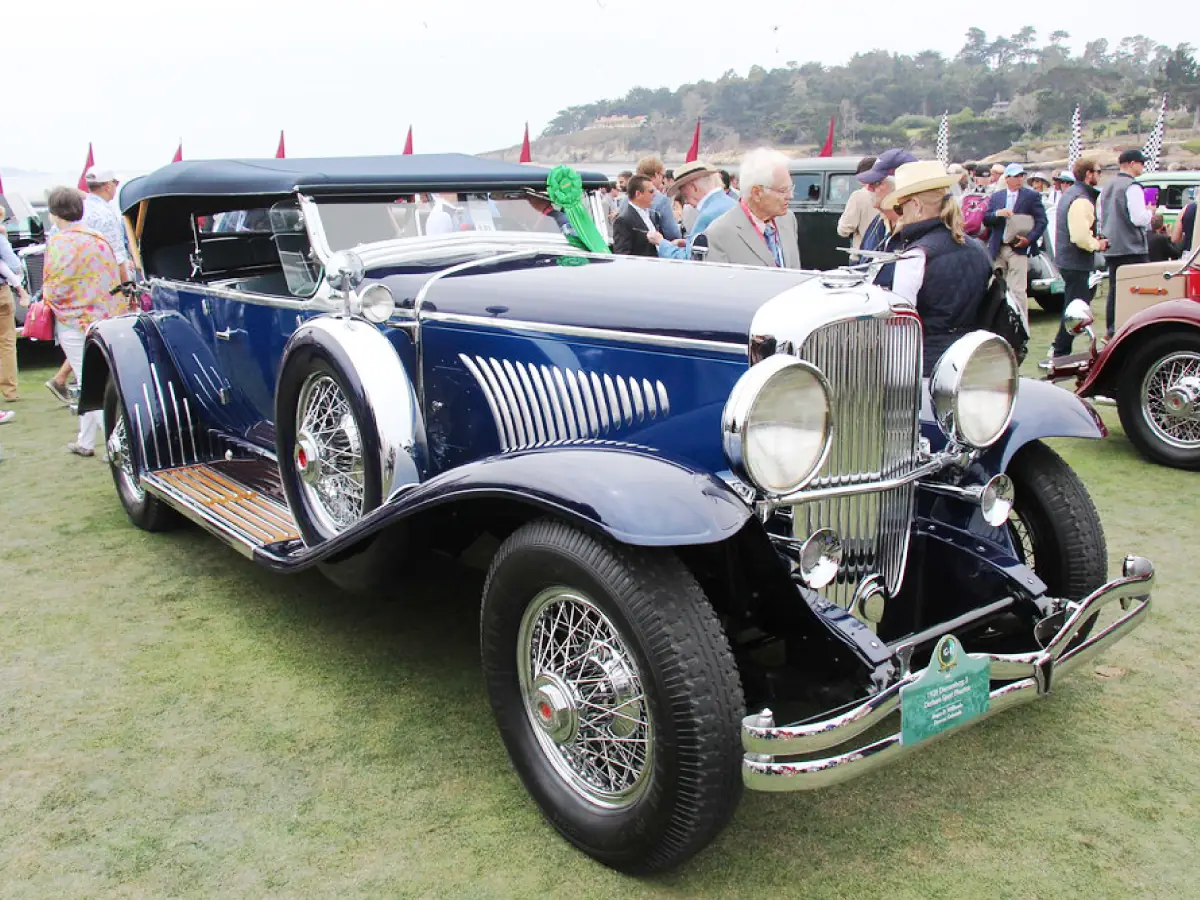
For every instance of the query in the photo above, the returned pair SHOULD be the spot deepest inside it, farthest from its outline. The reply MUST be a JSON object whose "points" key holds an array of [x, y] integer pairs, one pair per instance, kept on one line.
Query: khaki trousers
{"points": [[8, 344], [1016, 275]]}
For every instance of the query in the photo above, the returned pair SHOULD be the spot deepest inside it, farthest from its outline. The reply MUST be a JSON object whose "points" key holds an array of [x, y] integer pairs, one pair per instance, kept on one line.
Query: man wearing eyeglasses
{"points": [[1076, 243], [759, 230]]}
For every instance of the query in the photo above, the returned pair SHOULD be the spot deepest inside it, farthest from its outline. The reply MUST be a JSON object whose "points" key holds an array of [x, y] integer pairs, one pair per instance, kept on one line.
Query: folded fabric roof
{"points": [[233, 177]]}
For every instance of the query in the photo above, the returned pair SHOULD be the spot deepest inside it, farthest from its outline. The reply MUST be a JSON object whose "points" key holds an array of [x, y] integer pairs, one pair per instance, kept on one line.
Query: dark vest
{"points": [[1124, 238], [1067, 254], [956, 278]]}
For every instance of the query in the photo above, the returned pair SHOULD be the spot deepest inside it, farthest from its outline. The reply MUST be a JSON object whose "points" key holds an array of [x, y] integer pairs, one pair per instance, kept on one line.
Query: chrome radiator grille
{"points": [[874, 368]]}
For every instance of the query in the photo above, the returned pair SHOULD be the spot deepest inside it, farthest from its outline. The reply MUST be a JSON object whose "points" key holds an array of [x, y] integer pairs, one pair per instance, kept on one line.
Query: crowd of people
{"points": [[87, 256], [956, 227]]}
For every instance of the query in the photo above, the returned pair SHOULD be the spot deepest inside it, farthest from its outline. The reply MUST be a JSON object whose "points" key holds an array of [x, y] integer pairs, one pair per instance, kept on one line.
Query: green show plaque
{"points": [[952, 690]]}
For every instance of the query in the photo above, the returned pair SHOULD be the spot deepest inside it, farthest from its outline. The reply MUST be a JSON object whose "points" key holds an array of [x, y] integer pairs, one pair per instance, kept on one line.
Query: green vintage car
{"points": [[1175, 191]]}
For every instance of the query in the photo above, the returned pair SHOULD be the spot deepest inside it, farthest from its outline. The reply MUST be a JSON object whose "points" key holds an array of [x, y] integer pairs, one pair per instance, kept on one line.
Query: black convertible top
{"points": [[263, 177]]}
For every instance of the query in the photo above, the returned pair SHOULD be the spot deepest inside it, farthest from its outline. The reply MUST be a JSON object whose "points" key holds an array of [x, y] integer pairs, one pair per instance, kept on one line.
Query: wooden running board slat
{"points": [[256, 516]]}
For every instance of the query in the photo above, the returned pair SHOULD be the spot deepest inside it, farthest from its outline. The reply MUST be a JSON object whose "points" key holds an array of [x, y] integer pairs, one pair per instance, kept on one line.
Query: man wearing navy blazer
{"points": [[1012, 257]]}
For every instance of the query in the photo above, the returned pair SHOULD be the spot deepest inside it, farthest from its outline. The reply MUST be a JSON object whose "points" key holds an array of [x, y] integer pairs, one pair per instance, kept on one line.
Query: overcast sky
{"points": [[349, 76]]}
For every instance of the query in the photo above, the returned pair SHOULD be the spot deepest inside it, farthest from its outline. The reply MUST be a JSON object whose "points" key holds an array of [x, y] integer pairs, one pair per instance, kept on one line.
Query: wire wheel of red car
{"points": [[1160, 399], [324, 438], [615, 692], [1054, 526]]}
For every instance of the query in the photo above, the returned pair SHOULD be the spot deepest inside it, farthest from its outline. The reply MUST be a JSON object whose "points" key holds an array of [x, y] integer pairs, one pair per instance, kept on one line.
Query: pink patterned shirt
{"points": [[79, 273]]}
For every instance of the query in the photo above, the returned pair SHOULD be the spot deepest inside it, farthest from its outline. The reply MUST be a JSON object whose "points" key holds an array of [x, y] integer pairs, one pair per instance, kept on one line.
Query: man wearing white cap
{"points": [[99, 215], [1010, 252]]}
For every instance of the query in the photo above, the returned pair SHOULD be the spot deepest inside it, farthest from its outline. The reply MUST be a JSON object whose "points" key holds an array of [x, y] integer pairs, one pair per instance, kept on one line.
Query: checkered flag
{"points": [[1155, 141], [943, 140], [1075, 148]]}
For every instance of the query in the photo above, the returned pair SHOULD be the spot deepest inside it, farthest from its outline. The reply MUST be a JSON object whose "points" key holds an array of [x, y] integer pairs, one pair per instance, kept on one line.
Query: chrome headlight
{"points": [[375, 304], [776, 425], [974, 389]]}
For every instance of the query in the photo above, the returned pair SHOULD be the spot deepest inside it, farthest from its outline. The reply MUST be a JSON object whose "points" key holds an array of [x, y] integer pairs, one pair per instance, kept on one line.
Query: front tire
{"points": [[323, 439], [1054, 525], [615, 692], [1163, 429], [124, 462]]}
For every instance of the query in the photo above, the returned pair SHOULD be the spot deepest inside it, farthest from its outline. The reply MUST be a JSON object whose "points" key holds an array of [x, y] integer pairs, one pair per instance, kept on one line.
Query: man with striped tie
{"points": [[759, 230]]}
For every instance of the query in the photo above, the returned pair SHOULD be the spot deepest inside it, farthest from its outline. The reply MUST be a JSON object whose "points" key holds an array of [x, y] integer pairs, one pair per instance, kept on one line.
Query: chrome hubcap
{"points": [[1171, 399], [584, 698], [328, 454]]}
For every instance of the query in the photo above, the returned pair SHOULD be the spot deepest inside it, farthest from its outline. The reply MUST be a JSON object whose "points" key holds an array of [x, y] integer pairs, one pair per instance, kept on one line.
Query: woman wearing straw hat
{"points": [[943, 272]]}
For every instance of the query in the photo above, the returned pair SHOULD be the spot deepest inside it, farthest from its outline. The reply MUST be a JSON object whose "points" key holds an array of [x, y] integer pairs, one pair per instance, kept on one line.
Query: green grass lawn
{"points": [[175, 721]]}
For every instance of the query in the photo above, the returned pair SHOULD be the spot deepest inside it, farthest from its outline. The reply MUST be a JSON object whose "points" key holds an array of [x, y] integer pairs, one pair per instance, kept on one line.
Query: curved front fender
{"points": [[1043, 411], [633, 495]]}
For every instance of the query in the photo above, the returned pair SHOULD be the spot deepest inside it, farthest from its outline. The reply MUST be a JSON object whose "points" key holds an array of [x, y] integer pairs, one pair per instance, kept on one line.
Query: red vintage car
{"points": [[1151, 367]]}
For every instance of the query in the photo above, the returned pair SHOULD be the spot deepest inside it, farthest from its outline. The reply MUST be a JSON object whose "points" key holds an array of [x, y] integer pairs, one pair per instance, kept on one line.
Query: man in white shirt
{"points": [[99, 215], [11, 292], [1124, 219], [445, 215]]}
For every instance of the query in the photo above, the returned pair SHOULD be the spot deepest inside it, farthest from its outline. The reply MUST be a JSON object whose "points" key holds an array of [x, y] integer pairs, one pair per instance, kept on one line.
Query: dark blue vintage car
{"points": [[716, 491]]}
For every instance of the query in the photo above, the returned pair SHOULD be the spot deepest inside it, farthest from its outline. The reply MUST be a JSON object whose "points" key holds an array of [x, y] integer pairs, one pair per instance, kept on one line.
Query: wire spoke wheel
{"points": [[584, 698], [328, 454], [120, 458], [1174, 422]]}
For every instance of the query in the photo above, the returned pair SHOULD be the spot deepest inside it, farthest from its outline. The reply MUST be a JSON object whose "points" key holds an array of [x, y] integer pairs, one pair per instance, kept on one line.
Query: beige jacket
{"points": [[860, 212]]}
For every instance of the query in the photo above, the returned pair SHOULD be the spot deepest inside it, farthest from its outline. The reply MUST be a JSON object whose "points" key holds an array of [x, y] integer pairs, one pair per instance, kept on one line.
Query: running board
{"points": [[245, 518]]}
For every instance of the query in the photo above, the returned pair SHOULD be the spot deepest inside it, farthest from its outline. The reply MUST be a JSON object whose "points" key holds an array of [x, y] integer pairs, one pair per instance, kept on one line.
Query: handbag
{"points": [[39, 322]]}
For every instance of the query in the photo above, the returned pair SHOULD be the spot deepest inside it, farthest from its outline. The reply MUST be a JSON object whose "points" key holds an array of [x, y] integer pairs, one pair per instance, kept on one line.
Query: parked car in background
{"points": [[822, 185], [724, 497], [1151, 367], [26, 234], [1175, 191]]}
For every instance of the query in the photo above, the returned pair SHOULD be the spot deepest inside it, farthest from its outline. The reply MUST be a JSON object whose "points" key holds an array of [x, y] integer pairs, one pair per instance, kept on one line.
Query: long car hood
{"points": [[692, 300]]}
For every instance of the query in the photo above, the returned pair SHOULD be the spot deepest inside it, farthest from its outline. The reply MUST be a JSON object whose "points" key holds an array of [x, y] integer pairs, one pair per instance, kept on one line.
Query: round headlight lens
{"points": [[974, 389], [376, 304], [777, 424]]}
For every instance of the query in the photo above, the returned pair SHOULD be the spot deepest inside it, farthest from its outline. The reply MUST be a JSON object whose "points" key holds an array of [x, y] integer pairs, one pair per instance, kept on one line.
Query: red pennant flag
{"points": [[408, 143], [694, 150], [525, 155], [178, 157], [91, 161], [827, 150], [279, 153]]}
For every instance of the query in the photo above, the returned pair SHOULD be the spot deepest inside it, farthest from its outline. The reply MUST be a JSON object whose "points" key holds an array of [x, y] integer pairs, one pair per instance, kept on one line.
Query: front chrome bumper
{"points": [[1024, 677]]}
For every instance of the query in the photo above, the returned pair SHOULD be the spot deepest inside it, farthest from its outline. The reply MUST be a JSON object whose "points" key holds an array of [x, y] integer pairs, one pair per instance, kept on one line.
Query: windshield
{"points": [[350, 224]]}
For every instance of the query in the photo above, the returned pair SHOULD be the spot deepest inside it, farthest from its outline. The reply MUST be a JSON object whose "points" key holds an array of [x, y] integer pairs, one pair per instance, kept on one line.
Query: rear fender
{"points": [[1171, 315], [163, 417]]}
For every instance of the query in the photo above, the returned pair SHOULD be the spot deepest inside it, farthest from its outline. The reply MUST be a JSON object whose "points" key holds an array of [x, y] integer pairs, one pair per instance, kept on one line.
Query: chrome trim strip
{"points": [[613, 405], [191, 429], [519, 416], [536, 410], [651, 402], [178, 422], [582, 331], [626, 406], [163, 406], [153, 426], [585, 388], [488, 395], [763, 742], [601, 402], [576, 403], [312, 304], [560, 425], [664, 402], [639, 406], [568, 410]]}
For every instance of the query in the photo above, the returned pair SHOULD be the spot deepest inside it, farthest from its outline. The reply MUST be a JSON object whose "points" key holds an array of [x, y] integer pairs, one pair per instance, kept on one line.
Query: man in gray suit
{"points": [[759, 230]]}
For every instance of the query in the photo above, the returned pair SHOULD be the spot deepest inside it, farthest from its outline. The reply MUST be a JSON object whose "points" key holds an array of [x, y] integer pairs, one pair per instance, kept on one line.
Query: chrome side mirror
{"points": [[345, 271], [1077, 316]]}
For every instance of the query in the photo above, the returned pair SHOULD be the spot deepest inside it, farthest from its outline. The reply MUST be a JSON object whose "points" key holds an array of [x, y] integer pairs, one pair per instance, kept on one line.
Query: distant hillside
{"points": [[1004, 91]]}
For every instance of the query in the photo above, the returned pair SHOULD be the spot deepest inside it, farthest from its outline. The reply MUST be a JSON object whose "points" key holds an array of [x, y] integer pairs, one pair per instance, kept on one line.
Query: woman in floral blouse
{"points": [[80, 270]]}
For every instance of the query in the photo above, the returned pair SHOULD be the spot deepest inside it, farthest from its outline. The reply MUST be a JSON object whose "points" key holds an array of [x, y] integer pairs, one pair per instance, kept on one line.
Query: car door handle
{"points": [[225, 335]]}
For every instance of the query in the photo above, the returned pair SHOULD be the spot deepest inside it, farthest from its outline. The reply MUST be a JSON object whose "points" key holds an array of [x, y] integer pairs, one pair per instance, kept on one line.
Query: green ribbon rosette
{"points": [[565, 190]]}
